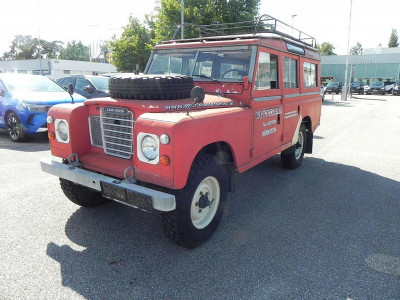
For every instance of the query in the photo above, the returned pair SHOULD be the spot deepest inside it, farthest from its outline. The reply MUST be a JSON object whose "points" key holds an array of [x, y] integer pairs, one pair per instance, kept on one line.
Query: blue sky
{"points": [[87, 20]]}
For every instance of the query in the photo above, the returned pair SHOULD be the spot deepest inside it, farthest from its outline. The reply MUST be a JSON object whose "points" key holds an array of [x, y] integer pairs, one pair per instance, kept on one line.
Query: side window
{"points": [[60, 81], [81, 83], [310, 75], [267, 72], [290, 76], [64, 83]]}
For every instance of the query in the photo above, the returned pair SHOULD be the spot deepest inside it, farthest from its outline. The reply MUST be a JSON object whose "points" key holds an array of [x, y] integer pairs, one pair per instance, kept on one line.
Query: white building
{"points": [[55, 68]]}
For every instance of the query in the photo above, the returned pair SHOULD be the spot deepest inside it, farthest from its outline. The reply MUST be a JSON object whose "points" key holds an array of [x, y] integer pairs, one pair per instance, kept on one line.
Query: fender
{"points": [[199, 129]]}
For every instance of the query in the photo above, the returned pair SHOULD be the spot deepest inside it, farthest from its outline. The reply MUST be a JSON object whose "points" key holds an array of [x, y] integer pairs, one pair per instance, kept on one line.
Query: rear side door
{"points": [[267, 105], [291, 96]]}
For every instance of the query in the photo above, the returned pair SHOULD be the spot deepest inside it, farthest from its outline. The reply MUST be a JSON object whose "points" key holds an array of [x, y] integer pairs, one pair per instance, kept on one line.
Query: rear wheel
{"points": [[15, 128], [199, 205], [293, 157]]}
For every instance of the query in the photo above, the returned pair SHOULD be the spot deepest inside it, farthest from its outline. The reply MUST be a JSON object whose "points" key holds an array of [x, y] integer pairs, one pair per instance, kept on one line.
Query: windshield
{"points": [[31, 83], [356, 83], [376, 83], [215, 63], [100, 82]]}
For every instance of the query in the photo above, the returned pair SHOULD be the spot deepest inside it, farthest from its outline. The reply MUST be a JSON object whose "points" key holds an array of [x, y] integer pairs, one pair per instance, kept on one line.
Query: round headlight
{"points": [[62, 130], [149, 147]]}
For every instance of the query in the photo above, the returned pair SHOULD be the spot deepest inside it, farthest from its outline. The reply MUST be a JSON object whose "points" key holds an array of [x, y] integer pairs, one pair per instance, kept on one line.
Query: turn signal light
{"points": [[164, 160], [52, 135]]}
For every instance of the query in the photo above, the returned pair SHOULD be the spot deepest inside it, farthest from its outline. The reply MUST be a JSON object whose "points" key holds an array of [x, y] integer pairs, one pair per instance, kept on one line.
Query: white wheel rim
{"points": [[202, 214], [299, 146]]}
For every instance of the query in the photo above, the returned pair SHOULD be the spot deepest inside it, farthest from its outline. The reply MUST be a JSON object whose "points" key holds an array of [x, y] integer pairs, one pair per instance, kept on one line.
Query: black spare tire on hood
{"points": [[151, 87]]}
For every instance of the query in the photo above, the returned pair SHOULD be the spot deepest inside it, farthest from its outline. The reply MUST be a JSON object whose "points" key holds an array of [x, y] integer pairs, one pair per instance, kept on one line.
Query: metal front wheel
{"points": [[199, 205], [205, 202]]}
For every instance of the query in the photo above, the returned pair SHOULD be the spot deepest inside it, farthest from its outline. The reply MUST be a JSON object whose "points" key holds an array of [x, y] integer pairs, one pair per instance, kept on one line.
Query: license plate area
{"points": [[131, 198]]}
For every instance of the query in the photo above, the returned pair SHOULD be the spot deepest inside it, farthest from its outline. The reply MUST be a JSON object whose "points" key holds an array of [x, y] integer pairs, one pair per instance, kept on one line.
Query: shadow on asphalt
{"points": [[323, 231], [369, 99], [32, 143], [337, 103]]}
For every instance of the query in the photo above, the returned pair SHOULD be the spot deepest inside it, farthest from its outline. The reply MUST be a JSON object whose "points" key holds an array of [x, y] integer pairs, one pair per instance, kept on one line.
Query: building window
{"points": [[310, 75], [67, 71], [267, 72], [290, 77]]}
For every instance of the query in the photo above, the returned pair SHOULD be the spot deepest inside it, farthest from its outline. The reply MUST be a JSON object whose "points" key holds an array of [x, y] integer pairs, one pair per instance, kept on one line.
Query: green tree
{"points": [[51, 49], [325, 49], [394, 39], [26, 47], [201, 12], [137, 40], [356, 50], [75, 51], [133, 47]]}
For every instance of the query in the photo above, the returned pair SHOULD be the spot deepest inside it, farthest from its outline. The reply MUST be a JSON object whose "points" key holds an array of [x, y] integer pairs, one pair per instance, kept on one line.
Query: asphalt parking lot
{"points": [[328, 230]]}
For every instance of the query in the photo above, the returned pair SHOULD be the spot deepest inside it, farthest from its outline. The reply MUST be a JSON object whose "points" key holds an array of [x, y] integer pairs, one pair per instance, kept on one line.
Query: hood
{"points": [[48, 98], [142, 106]]}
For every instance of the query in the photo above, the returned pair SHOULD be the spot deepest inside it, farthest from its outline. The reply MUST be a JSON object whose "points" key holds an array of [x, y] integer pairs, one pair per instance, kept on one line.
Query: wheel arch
{"points": [[309, 134], [225, 155]]}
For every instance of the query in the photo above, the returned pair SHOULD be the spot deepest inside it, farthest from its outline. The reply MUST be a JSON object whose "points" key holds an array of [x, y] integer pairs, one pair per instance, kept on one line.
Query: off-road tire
{"points": [[81, 195], [15, 127], [184, 226], [293, 157], [151, 87]]}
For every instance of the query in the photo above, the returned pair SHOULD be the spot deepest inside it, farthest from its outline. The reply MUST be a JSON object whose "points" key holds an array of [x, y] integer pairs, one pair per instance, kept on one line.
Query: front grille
{"points": [[113, 131]]}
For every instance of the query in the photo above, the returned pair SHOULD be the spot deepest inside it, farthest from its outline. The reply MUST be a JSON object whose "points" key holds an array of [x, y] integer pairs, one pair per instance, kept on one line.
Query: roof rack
{"points": [[264, 24]]}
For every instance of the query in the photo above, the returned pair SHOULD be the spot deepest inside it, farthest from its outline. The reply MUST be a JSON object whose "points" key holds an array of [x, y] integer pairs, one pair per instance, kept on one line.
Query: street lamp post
{"points": [[346, 87], [182, 19]]}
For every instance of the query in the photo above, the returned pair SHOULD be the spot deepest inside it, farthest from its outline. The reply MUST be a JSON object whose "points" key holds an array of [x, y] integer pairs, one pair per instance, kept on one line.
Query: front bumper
{"points": [[376, 91], [121, 191]]}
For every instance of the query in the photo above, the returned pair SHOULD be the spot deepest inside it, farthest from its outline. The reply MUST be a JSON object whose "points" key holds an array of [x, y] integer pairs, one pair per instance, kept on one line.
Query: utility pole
{"points": [[346, 88], [40, 54], [182, 19]]}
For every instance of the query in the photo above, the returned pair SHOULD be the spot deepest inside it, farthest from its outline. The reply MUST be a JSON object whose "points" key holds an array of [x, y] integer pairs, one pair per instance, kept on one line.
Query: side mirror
{"points": [[70, 88], [197, 94], [88, 89]]}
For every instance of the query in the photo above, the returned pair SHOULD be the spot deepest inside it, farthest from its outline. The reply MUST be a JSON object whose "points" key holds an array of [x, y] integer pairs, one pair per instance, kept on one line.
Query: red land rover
{"points": [[172, 139]]}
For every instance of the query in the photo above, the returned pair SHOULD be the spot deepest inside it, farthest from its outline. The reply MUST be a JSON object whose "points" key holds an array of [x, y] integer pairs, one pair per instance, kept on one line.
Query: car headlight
{"points": [[62, 131], [148, 146], [34, 107]]}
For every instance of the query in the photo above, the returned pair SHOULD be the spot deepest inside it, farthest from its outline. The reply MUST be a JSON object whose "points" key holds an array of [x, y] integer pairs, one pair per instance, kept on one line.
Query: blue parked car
{"points": [[25, 100]]}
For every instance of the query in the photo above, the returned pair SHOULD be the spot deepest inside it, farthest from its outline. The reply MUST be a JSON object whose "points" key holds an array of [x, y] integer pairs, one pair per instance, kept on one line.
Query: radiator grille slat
{"points": [[113, 131], [95, 131]]}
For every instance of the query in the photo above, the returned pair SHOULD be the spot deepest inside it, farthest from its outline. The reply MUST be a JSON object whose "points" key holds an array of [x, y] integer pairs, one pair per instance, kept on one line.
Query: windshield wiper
{"points": [[205, 76]]}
